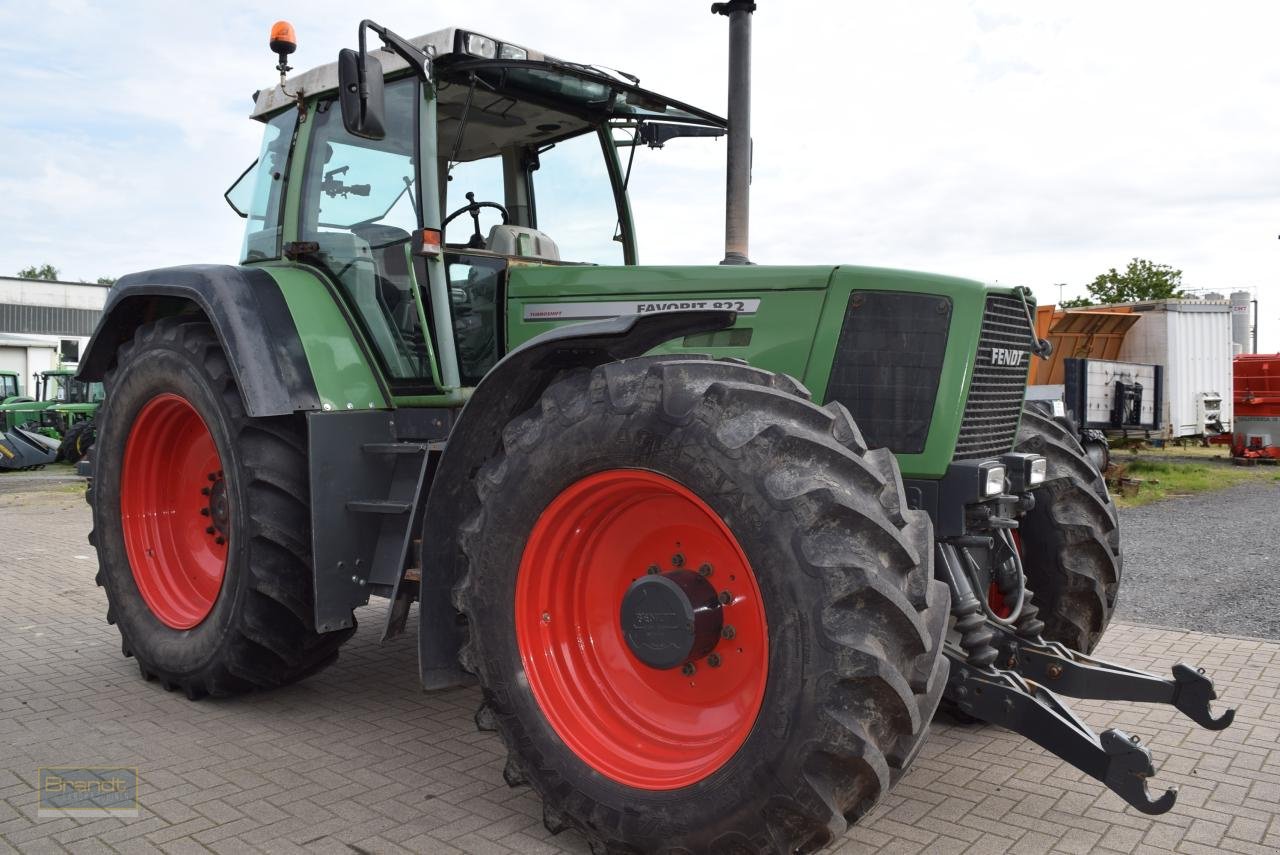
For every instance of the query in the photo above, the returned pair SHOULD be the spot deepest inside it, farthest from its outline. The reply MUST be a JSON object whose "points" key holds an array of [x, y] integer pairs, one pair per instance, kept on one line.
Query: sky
{"points": [[1029, 143]]}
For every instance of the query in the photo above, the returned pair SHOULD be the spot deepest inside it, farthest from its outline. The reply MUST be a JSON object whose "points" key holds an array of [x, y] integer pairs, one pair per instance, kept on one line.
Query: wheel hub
{"points": [[218, 507], [671, 618]]}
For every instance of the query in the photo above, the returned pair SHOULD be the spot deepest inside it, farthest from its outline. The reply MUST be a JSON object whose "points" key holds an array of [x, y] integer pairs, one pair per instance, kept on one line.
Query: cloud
{"points": [[1022, 142]]}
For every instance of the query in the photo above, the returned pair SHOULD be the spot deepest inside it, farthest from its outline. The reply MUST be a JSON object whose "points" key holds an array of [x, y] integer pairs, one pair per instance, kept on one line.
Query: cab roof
{"points": [[525, 87]]}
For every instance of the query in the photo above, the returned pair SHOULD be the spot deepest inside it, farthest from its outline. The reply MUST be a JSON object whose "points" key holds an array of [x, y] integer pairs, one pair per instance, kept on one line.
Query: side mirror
{"points": [[360, 94]]}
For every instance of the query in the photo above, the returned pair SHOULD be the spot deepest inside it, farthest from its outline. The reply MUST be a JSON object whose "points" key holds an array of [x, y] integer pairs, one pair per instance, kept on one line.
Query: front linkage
{"points": [[1001, 668]]}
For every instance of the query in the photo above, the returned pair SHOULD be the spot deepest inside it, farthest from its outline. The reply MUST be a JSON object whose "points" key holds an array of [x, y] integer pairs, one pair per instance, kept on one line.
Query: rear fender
{"points": [[248, 313], [512, 387]]}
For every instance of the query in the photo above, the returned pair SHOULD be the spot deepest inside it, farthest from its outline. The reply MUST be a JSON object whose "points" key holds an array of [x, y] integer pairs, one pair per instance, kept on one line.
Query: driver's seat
{"points": [[522, 242]]}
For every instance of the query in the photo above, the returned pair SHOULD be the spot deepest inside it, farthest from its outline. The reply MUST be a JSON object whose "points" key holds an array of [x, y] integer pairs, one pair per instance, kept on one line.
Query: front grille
{"points": [[994, 407], [888, 363]]}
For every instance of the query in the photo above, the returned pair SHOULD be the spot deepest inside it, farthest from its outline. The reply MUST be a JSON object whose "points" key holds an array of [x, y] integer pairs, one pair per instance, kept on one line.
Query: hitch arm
{"points": [[1076, 675], [1005, 698]]}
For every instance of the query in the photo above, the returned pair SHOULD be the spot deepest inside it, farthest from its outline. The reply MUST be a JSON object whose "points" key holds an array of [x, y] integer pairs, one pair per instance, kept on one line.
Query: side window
{"points": [[359, 202], [575, 204], [267, 180], [474, 295]]}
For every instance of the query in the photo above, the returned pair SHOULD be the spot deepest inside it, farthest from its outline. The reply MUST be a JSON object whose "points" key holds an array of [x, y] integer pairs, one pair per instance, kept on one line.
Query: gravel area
{"points": [[1209, 562]]}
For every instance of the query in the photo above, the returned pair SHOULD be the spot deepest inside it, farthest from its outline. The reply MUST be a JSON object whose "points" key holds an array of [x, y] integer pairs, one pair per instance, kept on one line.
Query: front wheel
{"points": [[1071, 539], [701, 613], [202, 522]]}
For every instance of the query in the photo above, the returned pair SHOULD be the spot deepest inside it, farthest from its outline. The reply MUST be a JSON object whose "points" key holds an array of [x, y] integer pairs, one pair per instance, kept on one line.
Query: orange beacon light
{"points": [[283, 43]]}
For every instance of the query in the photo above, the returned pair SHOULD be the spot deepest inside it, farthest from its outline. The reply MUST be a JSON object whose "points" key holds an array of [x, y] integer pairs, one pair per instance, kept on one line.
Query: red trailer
{"points": [[1256, 432]]}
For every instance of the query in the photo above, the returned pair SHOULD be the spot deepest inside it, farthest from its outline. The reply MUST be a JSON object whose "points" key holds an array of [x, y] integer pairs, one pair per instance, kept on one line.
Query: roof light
{"points": [[512, 52], [481, 46]]}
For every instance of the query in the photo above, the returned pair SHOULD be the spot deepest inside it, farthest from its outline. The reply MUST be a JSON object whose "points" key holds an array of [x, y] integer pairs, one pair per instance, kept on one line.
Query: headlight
{"points": [[992, 481], [512, 52], [481, 46], [1025, 470]]}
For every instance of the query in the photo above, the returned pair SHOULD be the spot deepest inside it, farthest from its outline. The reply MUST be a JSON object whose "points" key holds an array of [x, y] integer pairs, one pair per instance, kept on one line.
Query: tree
{"points": [[44, 271], [106, 280], [1141, 280]]}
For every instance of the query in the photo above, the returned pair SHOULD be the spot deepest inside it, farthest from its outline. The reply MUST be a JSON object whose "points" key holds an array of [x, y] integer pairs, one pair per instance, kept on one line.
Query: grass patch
{"points": [[1169, 479]]}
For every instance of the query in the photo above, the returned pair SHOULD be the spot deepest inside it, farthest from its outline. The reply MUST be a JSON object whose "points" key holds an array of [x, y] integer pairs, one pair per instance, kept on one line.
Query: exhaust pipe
{"points": [[737, 201]]}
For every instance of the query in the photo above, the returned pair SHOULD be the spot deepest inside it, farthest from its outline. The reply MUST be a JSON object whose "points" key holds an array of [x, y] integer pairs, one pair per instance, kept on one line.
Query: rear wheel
{"points": [[201, 522], [1071, 539], [702, 616]]}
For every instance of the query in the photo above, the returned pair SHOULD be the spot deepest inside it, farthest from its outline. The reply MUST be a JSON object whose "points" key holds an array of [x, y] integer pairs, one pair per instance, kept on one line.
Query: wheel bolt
{"points": [[728, 632], [204, 512], [219, 540], [653, 570], [204, 491], [714, 660], [687, 669], [213, 476], [704, 570], [209, 530], [677, 560], [1054, 671], [726, 598]]}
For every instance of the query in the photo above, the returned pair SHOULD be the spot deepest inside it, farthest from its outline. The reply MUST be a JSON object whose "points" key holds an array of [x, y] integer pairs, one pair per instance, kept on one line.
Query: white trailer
{"points": [[1192, 340]]}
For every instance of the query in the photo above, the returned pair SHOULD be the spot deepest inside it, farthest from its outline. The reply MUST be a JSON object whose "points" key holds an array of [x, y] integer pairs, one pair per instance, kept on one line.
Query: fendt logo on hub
{"points": [[1005, 356]]}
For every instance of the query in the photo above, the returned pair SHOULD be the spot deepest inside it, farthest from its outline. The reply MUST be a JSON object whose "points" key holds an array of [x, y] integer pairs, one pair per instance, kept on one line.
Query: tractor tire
{"points": [[77, 441], [202, 522], [1071, 538], [724, 482]]}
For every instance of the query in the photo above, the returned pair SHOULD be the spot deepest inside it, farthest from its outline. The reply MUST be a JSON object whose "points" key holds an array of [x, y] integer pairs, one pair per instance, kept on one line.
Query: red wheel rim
{"points": [[174, 511], [646, 728]]}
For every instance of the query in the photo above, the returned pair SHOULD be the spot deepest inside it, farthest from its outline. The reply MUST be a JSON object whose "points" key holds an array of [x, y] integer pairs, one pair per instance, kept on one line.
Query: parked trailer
{"points": [[1256, 431], [1192, 340]]}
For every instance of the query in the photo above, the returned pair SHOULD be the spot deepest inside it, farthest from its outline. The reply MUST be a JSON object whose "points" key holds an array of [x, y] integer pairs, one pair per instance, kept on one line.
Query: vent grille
{"points": [[991, 414], [888, 363]]}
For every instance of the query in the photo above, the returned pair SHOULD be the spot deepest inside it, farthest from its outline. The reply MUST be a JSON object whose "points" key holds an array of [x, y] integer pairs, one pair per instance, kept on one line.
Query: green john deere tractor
{"points": [[714, 541], [63, 409], [10, 386]]}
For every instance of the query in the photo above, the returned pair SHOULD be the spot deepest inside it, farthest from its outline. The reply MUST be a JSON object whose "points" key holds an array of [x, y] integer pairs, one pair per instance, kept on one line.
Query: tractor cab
{"points": [[513, 158], [9, 387], [62, 387]]}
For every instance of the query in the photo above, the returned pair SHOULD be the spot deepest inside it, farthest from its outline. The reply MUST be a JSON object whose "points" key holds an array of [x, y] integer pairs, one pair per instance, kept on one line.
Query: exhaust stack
{"points": [[737, 201]]}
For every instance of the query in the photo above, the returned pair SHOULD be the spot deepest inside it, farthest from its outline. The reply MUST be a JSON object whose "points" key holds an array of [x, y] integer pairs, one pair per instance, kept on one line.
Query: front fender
{"points": [[510, 388], [248, 313]]}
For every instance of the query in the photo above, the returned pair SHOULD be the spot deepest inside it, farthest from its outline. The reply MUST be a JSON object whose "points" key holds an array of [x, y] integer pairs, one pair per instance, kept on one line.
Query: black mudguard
{"points": [[248, 314], [513, 386]]}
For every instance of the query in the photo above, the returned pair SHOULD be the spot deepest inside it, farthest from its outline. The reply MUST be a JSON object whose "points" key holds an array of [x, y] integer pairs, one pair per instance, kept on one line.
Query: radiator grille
{"points": [[995, 395]]}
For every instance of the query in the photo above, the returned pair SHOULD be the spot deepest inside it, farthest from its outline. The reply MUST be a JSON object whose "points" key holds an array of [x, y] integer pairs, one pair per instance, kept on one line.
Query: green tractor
{"points": [[712, 602], [63, 409], [10, 386]]}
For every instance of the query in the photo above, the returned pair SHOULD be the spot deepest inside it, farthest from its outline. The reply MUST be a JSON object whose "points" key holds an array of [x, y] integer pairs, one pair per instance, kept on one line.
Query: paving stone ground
{"points": [[357, 760]]}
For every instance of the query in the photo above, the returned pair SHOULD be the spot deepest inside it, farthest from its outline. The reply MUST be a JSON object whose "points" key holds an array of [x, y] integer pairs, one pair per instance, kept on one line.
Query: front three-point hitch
{"points": [[1005, 673]]}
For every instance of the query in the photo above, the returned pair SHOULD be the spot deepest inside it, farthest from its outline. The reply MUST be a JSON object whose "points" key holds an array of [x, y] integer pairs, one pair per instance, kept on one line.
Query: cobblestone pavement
{"points": [[356, 760]]}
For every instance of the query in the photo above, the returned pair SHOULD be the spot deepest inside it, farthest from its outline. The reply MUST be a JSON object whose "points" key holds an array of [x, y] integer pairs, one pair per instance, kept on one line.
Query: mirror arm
{"points": [[417, 58]]}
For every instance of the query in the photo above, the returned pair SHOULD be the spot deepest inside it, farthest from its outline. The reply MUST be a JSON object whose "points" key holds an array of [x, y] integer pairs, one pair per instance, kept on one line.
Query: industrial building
{"points": [[45, 323]]}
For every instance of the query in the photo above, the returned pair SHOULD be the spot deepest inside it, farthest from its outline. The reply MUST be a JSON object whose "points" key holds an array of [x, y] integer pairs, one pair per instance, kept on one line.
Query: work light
{"points": [[1025, 470], [992, 480], [481, 46]]}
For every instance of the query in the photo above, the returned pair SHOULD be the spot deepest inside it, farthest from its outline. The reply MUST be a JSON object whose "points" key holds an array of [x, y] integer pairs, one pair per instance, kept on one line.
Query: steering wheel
{"points": [[473, 208]]}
